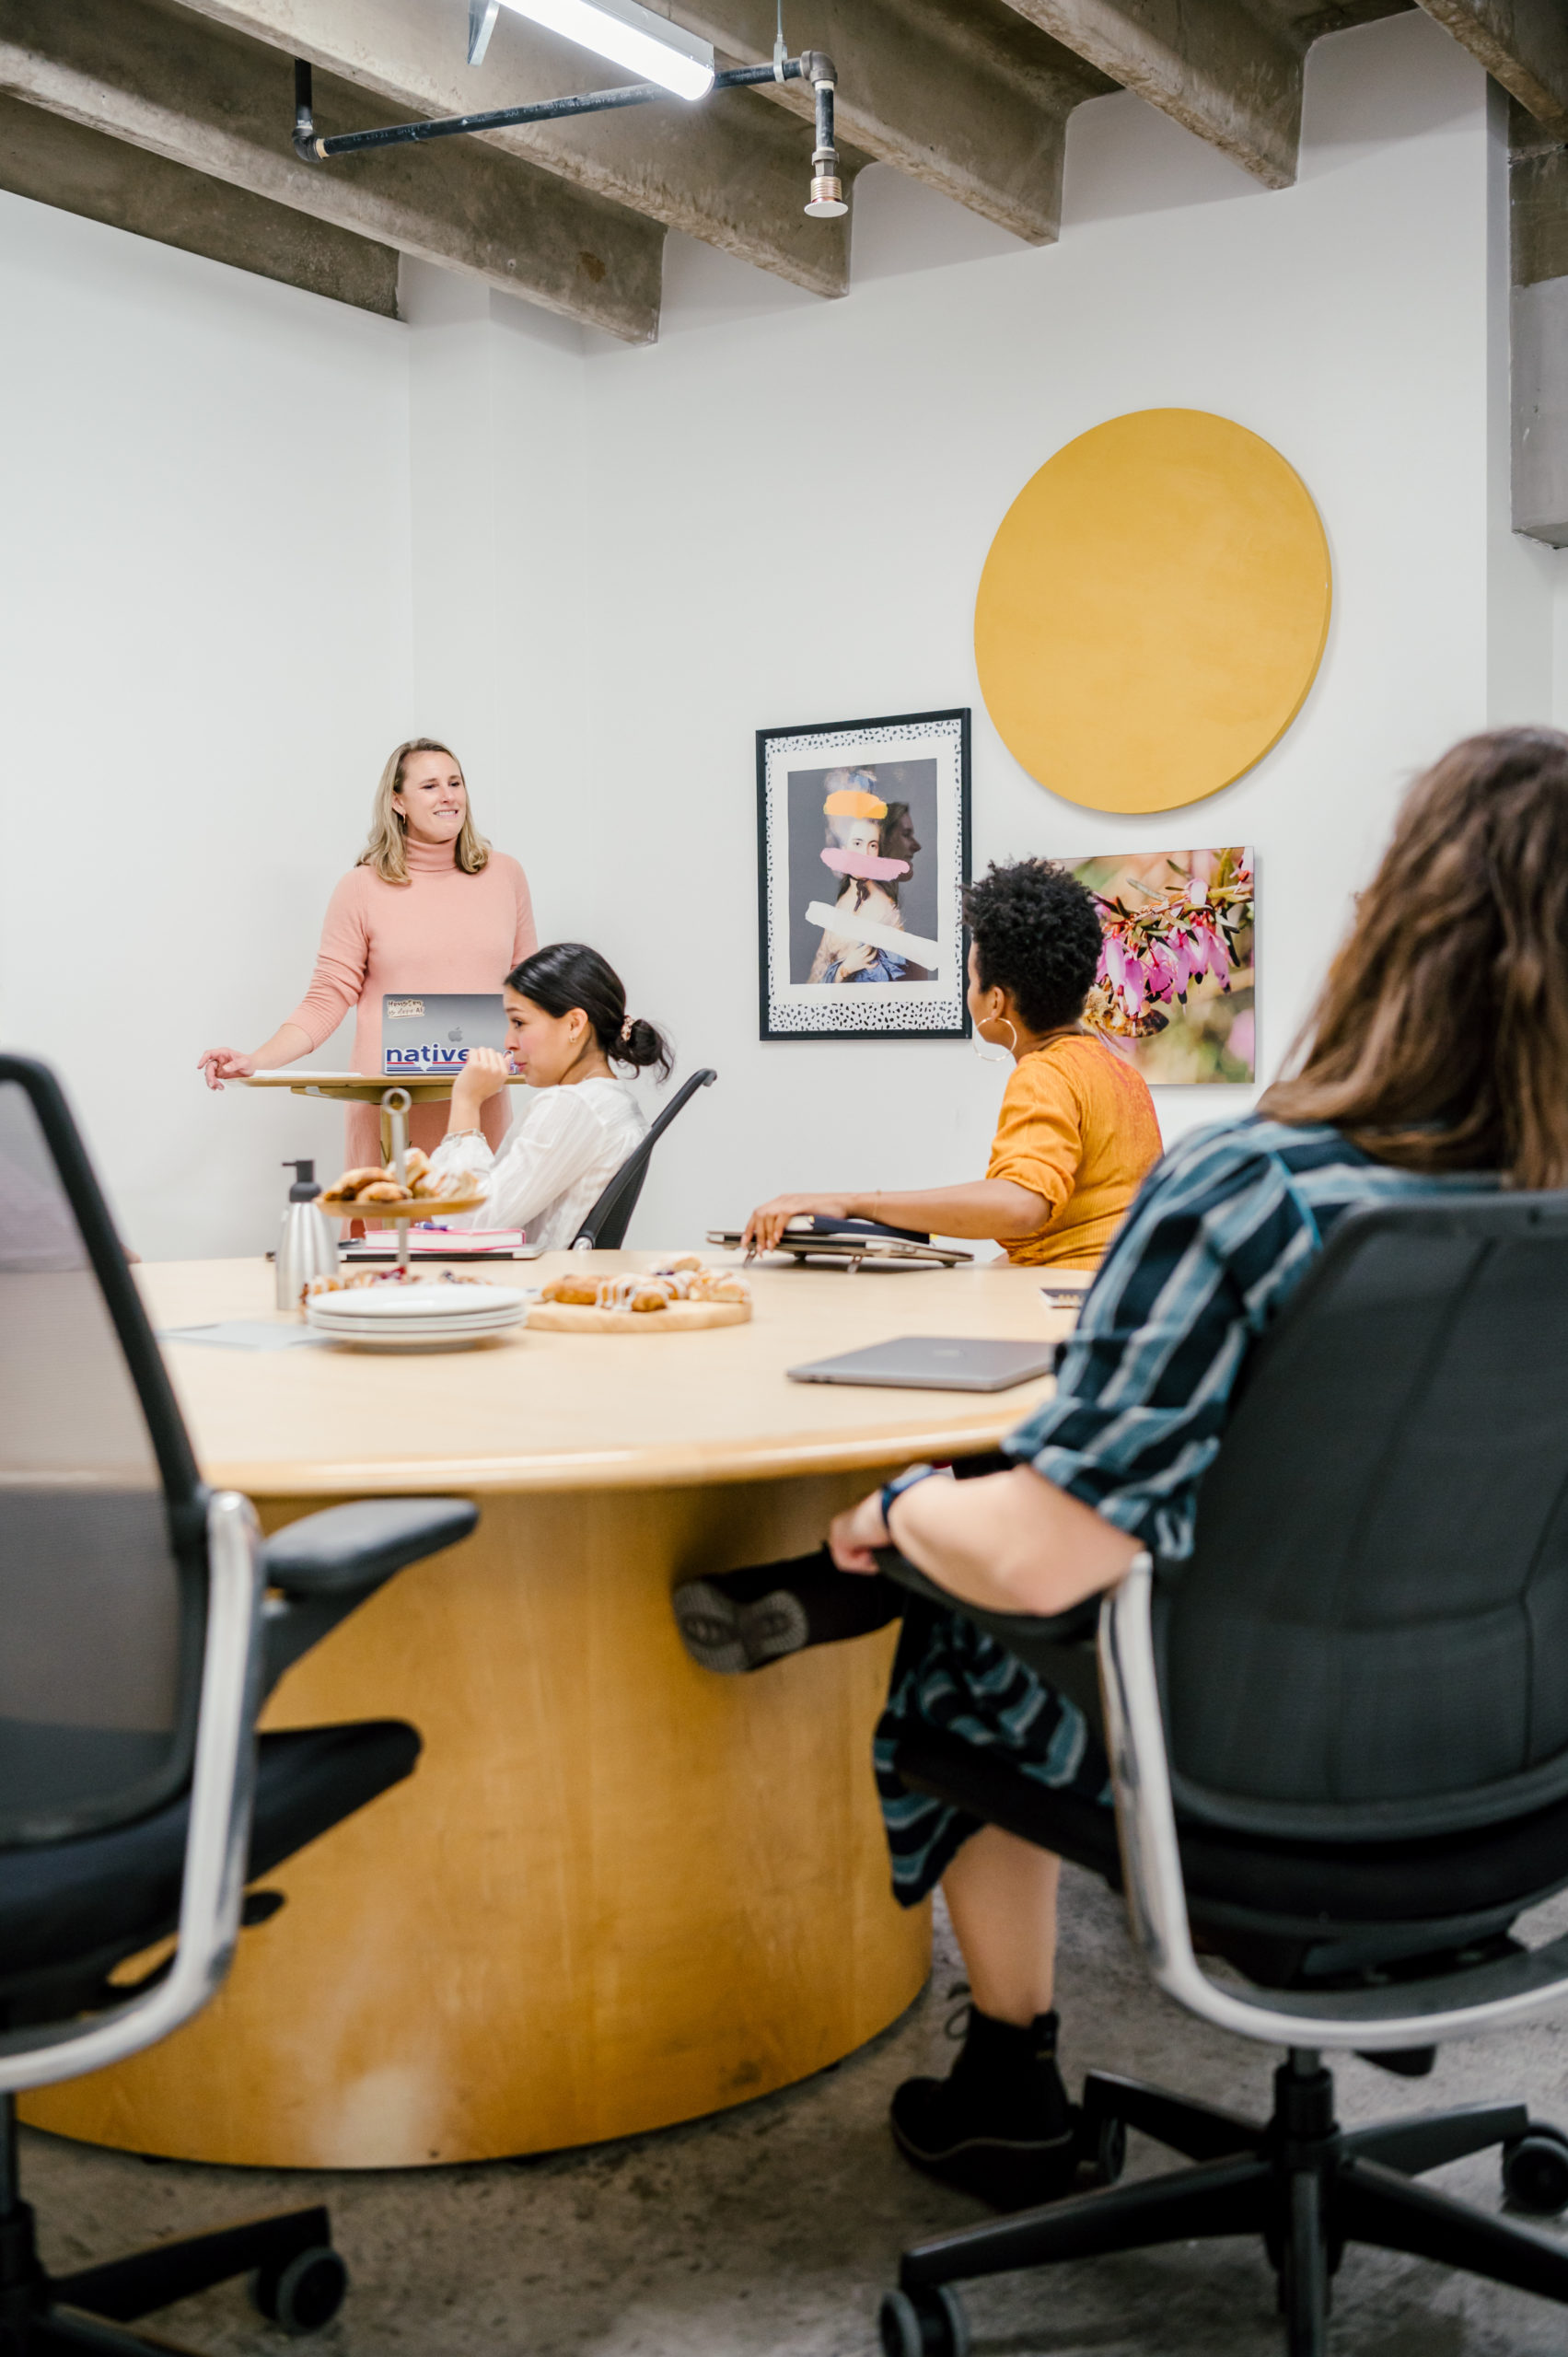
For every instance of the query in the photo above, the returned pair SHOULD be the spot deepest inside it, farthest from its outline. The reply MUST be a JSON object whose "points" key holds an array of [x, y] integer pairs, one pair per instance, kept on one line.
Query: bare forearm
{"points": [[287, 1044], [981, 1207], [1010, 1542]]}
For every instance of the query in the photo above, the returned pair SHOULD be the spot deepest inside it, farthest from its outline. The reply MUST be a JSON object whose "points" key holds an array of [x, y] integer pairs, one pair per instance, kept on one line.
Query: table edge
{"points": [[663, 1469]]}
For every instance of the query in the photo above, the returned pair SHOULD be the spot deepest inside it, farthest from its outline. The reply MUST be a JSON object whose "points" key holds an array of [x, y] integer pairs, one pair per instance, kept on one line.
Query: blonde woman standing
{"points": [[428, 907]]}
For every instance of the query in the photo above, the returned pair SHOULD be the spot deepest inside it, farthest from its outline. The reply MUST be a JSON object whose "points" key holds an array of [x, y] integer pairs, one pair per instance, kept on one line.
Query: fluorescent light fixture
{"points": [[649, 45]]}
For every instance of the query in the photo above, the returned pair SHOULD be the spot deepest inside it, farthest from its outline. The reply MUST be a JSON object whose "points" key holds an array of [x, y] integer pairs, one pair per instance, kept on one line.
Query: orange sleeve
{"points": [[1040, 1138], [342, 963]]}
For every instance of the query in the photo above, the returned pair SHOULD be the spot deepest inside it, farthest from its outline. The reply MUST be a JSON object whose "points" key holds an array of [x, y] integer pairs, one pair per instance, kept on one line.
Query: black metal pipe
{"points": [[401, 134], [304, 112]]}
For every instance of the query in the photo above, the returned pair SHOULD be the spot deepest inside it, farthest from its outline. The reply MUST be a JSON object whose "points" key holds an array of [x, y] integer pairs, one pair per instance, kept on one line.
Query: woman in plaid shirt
{"points": [[1437, 1058]]}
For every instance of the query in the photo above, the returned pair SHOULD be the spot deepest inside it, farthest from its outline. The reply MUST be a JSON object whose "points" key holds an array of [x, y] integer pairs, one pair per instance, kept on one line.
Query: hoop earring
{"points": [[978, 1045]]}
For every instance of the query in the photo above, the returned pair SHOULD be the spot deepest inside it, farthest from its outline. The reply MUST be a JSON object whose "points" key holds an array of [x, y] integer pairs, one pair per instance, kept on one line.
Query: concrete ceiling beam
{"points": [[1522, 43], [1229, 74], [56, 162], [728, 171], [972, 101], [154, 76]]}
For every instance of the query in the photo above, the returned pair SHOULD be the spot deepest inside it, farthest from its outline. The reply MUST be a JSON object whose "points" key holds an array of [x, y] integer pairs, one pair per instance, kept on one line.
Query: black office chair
{"points": [[1339, 1738], [143, 1619], [604, 1230]]}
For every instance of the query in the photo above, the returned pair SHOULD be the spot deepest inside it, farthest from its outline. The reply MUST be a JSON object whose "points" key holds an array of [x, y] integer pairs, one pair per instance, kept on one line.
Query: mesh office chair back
{"points": [[102, 1585], [1371, 1638]]}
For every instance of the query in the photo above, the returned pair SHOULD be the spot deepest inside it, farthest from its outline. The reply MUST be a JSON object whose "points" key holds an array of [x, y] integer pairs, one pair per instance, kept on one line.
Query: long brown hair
{"points": [[1440, 1041], [387, 850]]}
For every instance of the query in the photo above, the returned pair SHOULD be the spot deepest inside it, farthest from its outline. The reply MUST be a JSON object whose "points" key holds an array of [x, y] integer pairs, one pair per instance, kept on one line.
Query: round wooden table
{"points": [[617, 1891]]}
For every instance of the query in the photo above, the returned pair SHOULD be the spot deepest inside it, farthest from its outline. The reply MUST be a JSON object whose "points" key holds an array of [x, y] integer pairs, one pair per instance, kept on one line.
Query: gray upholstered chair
{"points": [[143, 1619], [1338, 1745]]}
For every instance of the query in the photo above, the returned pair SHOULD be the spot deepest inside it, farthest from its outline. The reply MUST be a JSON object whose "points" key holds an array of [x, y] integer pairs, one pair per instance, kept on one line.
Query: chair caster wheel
{"points": [[304, 2294], [1104, 2151], [924, 2324], [1535, 2172]]}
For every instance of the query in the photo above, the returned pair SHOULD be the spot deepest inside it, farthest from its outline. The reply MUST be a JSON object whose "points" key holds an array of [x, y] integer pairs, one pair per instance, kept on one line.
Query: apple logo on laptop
{"points": [[457, 1034]]}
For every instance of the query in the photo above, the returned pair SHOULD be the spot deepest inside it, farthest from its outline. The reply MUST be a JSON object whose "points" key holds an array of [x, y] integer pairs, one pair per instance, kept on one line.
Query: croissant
{"points": [[384, 1190], [353, 1181]]}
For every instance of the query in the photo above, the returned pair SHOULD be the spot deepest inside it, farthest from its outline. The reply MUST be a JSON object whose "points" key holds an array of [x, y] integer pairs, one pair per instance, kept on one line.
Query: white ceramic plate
{"points": [[416, 1325], [406, 1304]]}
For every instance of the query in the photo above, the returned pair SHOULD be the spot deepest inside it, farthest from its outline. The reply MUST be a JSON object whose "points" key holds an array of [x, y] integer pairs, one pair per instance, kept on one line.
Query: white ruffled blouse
{"points": [[555, 1165]]}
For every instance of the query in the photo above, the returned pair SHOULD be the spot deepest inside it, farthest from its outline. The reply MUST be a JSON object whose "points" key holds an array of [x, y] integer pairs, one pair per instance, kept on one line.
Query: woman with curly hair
{"points": [[1077, 1129], [1076, 1135]]}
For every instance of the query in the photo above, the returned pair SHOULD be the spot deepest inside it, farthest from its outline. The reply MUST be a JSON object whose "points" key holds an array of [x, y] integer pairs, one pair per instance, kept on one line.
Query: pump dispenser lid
{"points": [[303, 1190]]}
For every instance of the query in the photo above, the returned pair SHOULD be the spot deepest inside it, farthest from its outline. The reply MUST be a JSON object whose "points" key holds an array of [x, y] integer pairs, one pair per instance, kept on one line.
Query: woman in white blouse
{"points": [[566, 1026]]}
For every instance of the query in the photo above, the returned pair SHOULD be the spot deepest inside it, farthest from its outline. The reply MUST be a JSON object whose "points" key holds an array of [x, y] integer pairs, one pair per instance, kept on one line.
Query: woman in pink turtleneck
{"points": [[430, 907]]}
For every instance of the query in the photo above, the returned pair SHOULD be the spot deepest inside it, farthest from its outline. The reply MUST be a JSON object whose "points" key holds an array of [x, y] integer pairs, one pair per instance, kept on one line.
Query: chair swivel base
{"points": [[298, 2280], [1302, 2184]]}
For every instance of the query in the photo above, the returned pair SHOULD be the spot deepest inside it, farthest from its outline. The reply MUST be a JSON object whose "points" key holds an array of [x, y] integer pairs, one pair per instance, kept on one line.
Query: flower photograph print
{"points": [[1176, 989]]}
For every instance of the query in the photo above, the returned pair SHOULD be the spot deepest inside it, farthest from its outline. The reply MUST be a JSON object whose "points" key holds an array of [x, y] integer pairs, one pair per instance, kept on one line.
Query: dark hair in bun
{"points": [[569, 974]]}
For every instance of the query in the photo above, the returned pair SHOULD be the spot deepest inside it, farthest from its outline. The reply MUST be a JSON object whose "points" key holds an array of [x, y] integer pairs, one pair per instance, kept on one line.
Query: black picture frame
{"points": [[928, 754]]}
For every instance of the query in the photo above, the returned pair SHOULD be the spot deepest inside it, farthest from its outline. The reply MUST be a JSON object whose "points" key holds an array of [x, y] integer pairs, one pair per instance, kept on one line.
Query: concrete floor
{"points": [[775, 2228]]}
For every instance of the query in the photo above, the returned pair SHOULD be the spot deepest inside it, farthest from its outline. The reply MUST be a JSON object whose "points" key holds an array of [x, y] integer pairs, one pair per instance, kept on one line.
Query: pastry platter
{"points": [[680, 1298], [676, 1318]]}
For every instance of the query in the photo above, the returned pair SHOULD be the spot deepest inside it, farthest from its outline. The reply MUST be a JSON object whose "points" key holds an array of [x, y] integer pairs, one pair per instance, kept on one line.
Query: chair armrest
{"points": [[349, 1551], [325, 1565]]}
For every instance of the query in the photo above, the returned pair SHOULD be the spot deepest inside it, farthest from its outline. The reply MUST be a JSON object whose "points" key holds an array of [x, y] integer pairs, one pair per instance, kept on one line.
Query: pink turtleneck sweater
{"points": [[441, 931]]}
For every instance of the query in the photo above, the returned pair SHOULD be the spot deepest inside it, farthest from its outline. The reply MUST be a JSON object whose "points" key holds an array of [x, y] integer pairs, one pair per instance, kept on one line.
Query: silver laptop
{"points": [[934, 1363], [428, 1034]]}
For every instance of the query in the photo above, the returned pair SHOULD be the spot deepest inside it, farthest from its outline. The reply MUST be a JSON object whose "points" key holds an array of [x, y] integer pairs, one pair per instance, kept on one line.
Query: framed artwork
{"points": [[862, 852], [1176, 989]]}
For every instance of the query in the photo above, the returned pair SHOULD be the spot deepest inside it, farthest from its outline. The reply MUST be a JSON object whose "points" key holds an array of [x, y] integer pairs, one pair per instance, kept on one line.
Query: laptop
{"points": [[934, 1363], [429, 1033]]}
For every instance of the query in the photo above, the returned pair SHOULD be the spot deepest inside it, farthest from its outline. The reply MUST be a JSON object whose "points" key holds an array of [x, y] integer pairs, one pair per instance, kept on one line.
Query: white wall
{"points": [[600, 570], [205, 642], [1345, 319]]}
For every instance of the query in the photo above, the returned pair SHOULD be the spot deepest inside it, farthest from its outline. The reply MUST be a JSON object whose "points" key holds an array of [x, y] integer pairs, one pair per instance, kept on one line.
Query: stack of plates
{"points": [[416, 1317]]}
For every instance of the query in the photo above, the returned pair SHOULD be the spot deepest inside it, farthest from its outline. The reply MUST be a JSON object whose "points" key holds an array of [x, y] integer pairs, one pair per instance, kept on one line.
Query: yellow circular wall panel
{"points": [[1153, 611]]}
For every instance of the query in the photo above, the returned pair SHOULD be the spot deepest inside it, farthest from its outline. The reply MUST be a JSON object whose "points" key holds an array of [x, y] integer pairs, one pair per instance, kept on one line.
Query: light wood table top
{"points": [[544, 1411], [360, 1089]]}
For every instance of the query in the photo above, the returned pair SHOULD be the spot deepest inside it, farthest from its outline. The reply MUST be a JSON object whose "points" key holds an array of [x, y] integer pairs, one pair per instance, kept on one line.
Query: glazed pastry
{"points": [[715, 1285], [682, 1263], [416, 1162], [580, 1293], [384, 1190]]}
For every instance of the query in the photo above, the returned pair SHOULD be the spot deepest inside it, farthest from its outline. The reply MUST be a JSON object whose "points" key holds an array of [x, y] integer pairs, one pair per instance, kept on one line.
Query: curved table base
{"points": [[617, 1891]]}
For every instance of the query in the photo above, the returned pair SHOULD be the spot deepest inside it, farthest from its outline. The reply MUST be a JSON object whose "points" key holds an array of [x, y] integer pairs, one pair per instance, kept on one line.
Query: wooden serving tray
{"points": [[677, 1317], [413, 1207]]}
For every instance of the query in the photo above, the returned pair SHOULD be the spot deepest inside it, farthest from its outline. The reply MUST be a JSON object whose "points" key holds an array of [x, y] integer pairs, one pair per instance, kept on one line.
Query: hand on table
{"points": [[769, 1221], [852, 1535], [218, 1065]]}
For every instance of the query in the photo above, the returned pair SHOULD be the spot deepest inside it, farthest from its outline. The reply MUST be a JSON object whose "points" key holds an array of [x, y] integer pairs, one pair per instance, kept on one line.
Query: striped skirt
{"points": [[951, 1677]]}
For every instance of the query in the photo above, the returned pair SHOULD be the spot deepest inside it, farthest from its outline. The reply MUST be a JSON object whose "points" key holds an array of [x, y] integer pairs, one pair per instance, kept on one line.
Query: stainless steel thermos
{"points": [[307, 1247]]}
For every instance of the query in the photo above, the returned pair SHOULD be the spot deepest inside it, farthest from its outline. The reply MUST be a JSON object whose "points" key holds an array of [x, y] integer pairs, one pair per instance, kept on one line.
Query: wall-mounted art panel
{"points": [[1153, 611], [862, 846], [1176, 992]]}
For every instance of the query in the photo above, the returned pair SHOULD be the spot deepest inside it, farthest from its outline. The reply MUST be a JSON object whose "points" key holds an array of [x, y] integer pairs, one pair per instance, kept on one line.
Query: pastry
{"points": [[352, 1181], [383, 1191]]}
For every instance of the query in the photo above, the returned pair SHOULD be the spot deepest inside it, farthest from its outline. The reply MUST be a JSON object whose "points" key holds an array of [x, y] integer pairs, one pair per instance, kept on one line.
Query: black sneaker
{"points": [[720, 1634], [743, 1619], [1000, 2125]]}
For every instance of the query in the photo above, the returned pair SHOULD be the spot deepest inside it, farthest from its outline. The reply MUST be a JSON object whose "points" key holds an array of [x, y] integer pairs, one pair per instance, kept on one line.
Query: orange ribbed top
{"points": [[1077, 1126]]}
